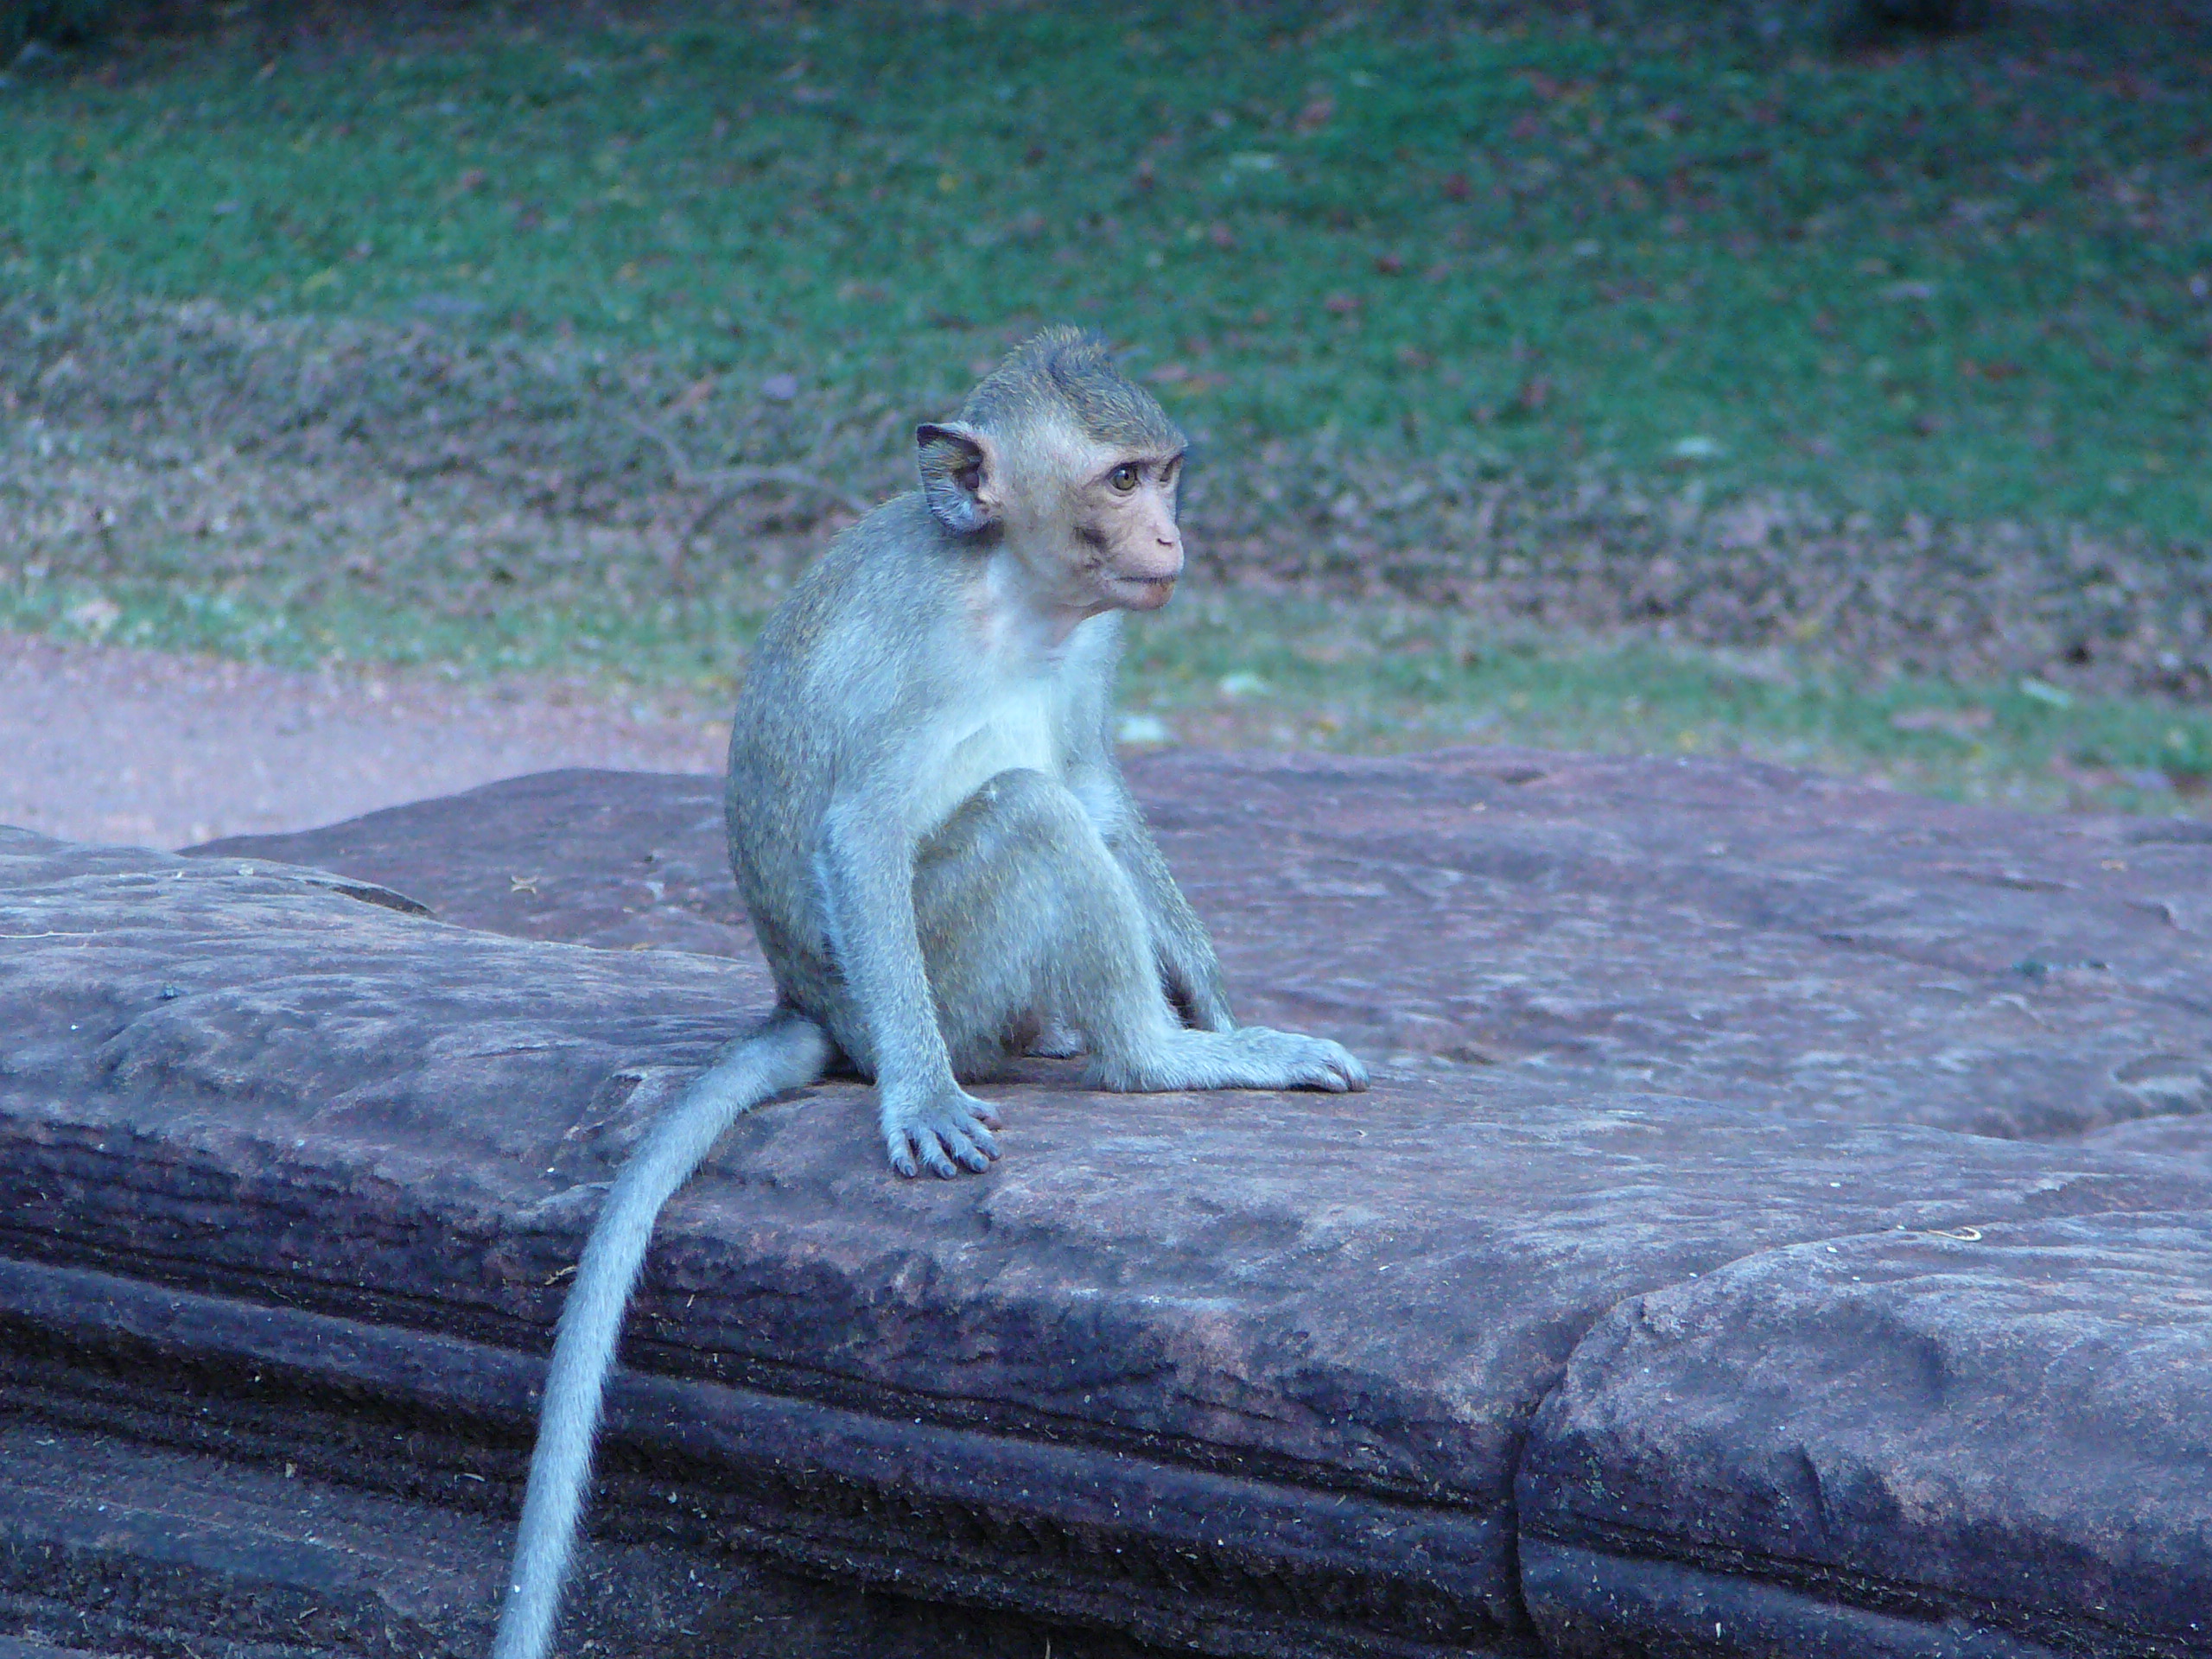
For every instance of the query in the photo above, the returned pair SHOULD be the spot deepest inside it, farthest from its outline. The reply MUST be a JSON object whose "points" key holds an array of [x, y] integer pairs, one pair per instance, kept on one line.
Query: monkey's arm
{"points": [[866, 865], [1179, 940]]}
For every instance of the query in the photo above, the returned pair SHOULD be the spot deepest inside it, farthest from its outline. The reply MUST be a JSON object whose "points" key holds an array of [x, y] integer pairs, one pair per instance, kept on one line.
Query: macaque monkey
{"points": [[942, 863]]}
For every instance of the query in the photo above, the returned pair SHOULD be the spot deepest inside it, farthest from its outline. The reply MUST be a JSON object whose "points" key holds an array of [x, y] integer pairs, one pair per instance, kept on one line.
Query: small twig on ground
{"points": [[737, 480], [731, 482]]}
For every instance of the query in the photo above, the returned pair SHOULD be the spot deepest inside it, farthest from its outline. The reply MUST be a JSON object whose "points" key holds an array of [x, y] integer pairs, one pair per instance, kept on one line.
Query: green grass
{"points": [[1970, 281], [1575, 333], [1382, 679]]}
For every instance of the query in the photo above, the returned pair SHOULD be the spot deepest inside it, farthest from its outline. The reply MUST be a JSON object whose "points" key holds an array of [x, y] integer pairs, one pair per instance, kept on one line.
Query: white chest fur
{"points": [[1020, 709], [1008, 725]]}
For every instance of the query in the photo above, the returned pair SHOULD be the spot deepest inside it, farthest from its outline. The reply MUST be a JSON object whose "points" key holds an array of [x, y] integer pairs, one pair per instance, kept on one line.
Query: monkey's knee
{"points": [[1022, 912], [1022, 801], [1005, 865], [1021, 817]]}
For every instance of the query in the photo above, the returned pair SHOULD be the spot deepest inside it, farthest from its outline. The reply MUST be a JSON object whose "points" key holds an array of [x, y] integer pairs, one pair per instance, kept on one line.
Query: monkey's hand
{"points": [[934, 1128]]}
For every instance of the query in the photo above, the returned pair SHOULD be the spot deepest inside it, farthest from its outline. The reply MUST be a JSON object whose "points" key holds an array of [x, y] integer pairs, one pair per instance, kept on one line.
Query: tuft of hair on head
{"points": [[1060, 375], [1071, 368]]}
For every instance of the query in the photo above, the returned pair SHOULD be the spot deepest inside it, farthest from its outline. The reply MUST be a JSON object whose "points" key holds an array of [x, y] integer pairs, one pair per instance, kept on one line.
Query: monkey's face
{"points": [[1092, 521], [1096, 524], [1126, 543]]}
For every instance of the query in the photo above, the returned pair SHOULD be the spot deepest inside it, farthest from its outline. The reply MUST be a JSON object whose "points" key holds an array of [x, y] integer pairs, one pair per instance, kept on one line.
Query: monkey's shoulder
{"points": [[864, 648], [886, 578]]}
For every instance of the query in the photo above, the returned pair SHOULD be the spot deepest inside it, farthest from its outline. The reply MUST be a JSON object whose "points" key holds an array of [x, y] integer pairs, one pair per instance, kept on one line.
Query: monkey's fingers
{"points": [[943, 1145], [954, 1132]]}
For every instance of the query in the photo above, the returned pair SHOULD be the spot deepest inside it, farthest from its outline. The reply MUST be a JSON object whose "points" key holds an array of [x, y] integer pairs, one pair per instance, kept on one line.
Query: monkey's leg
{"points": [[1024, 915], [988, 899]]}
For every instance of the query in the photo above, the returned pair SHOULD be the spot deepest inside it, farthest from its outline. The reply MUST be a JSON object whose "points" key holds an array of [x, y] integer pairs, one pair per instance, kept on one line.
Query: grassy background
{"points": [[1656, 381]]}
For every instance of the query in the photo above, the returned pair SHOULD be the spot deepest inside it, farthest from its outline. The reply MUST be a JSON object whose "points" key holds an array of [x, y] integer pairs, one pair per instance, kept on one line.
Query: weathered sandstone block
{"points": [[291, 1174]]}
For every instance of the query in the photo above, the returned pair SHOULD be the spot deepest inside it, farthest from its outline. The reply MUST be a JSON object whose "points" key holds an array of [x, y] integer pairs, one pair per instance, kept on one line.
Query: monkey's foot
{"points": [[936, 1132], [1304, 1062], [1251, 1057]]}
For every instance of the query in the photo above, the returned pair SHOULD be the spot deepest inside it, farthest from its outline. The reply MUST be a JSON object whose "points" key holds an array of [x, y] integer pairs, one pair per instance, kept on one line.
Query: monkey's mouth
{"points": [[1143, 593]]}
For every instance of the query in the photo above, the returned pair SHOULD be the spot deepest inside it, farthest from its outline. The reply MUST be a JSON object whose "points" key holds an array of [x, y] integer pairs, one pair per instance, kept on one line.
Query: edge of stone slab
{"points": [[18, 842], [1596, 1605], [1631, 1544], [17, 1647], [1163, 1553]]}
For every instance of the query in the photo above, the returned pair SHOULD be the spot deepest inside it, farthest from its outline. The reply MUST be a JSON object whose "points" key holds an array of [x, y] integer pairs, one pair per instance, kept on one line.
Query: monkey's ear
{"points": [[959, 467]]}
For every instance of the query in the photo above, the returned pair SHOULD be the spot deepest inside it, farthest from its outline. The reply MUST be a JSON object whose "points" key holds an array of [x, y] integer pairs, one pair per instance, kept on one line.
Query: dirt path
{"points": [[106, 744]]}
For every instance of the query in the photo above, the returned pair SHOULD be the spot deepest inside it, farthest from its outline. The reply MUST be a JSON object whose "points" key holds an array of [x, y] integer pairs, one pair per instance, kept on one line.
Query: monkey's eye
{"points": [[1123, 478]]}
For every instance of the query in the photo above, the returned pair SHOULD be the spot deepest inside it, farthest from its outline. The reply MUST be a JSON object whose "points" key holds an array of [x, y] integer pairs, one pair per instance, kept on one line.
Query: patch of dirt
{"points": [[105, 744]]}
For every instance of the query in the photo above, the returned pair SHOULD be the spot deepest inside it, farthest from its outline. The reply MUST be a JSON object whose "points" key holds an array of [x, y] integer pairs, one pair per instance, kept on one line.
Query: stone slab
{"points": [[2187, 1136], [184, 1536], [1234, 1373], [1722, 929], [614, 859], [1997, 1441]]}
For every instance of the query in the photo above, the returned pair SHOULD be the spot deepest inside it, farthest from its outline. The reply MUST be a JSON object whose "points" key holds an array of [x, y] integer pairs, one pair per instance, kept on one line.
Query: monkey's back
{"points": [[839, 674]]}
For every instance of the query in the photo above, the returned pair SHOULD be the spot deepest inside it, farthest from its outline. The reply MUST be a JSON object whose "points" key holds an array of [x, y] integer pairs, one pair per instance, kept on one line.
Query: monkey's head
{"points": [[1059, 459]]}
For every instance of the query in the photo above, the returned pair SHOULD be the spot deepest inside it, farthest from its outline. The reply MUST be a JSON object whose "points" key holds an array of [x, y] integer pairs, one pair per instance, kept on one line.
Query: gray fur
{"points": [[785, 1054], [1072, 368], [941, 860]]}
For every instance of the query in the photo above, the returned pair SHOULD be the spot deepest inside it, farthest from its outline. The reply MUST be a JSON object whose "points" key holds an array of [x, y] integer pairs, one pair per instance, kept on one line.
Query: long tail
{"points": [[787, 1052]]}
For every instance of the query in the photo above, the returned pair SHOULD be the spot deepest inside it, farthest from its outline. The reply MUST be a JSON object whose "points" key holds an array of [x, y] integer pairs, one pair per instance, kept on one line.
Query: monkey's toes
{"points": [[1328, 1066], [1351, 1074], [1289, 1059]]}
